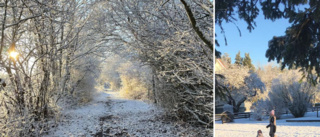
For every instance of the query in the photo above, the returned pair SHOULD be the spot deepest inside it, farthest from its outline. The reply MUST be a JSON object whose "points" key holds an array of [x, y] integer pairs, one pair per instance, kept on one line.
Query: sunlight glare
{"points": [[13, 54]]}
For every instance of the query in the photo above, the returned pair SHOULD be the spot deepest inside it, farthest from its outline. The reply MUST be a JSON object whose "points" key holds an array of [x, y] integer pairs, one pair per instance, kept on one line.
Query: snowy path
{"points": [[83, 121], [109, 115], [248, 128]]}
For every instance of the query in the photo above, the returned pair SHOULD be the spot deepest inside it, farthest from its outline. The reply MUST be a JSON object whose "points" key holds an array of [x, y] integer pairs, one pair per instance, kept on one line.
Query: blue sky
{"points": [[254, 43]]}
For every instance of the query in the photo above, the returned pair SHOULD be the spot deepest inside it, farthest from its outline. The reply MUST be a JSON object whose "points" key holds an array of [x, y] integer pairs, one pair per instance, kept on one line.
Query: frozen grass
{"points": [[249, 128]]}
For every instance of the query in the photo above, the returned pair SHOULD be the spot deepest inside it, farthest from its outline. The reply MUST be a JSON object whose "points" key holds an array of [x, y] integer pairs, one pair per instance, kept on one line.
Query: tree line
{"points": [[61, 46]]}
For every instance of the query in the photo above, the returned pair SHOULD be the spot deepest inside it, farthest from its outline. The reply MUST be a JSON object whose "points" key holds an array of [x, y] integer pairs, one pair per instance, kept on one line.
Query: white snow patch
{"points": [[82, 121]]}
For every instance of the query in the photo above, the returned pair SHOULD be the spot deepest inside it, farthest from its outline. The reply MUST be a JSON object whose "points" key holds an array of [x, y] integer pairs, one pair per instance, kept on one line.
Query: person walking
{"points": [[272, 125]]}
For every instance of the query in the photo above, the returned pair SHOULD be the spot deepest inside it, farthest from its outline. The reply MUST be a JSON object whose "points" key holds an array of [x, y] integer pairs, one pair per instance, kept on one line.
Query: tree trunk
{"points": [[154, 89], [236, 108], [3, 28]]}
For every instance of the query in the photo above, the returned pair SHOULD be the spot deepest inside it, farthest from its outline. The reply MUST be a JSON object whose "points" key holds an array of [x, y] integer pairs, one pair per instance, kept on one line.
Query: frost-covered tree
{"points": [[175, 39], [264, 73], [243, 85], [56, 54]]}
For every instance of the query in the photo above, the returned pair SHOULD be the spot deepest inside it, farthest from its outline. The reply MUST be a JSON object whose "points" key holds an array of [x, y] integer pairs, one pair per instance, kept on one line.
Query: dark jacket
{"points": [[272, 125]]}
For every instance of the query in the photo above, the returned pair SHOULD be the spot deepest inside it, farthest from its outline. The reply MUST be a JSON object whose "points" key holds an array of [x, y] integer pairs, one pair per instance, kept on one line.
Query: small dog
{"points": [[259, 133]]}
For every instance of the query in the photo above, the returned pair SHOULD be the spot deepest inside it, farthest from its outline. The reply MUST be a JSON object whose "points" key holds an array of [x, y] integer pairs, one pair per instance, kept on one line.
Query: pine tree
{"points": [[247, 61], [226, 59], [238, 59]]}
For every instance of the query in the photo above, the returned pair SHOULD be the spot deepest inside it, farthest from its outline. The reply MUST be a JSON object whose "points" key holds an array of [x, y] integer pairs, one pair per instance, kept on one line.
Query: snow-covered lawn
{"points": [[109, 115], [249, 128]]}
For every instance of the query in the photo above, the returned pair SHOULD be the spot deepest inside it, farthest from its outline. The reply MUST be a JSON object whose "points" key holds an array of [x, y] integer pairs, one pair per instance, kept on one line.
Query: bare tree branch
{"points": [[195, 27]]}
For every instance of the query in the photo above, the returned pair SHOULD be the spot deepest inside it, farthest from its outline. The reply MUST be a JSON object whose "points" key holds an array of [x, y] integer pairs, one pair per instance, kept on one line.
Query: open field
{"points": [[249, 128]]}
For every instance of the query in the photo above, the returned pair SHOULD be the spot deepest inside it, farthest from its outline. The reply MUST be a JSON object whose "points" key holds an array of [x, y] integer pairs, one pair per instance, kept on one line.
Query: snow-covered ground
{"points": [[249, 128], [82, 120], [109, 115]]}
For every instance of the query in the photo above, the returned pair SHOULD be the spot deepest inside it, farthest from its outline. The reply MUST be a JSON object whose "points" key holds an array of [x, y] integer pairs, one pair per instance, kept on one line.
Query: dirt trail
{"points": [[109, 115]]}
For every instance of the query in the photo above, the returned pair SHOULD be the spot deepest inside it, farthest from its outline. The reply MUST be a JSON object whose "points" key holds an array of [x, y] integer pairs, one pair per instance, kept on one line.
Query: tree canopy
{"points": [[299, 47]]}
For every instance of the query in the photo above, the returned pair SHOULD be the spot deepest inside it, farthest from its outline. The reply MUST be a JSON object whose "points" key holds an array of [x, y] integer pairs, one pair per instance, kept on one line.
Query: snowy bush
{"points": [[263, 107], [276, 103], [134, 84], [295, 95], [287, 92]]}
